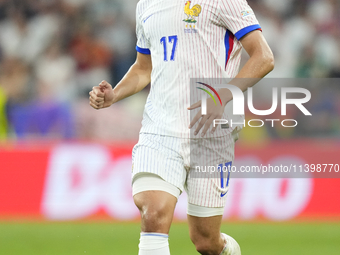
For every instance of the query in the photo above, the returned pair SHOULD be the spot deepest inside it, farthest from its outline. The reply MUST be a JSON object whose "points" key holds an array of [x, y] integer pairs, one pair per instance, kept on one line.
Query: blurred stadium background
{"points": [[65, 168]]}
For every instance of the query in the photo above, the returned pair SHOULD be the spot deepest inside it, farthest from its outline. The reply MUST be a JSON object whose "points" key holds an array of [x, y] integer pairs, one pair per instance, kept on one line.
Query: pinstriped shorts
{"points": [[183, 163]]}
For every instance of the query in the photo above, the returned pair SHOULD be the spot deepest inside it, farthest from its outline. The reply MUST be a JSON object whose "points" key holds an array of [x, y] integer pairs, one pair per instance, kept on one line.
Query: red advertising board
{"points": [[79, 180]]}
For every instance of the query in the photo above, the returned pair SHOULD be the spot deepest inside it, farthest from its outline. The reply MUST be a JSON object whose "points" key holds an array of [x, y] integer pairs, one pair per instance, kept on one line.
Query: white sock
{"points": [[231, 247], [153, 244], [225, 248], [224, 251]]}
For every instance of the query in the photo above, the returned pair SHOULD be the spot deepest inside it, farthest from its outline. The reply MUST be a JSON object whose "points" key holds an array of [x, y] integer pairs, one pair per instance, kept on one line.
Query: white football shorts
{"points": [[186, 164]]}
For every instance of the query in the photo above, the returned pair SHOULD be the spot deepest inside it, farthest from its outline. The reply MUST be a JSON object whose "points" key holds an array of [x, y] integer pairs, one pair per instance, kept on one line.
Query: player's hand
{"points": [[214, 111], [101, 96]]}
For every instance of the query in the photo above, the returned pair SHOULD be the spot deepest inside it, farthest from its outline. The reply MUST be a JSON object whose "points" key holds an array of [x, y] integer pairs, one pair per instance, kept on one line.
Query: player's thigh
{"points": [[207, 184], [152, 193], [156, 200], [159, 155]]}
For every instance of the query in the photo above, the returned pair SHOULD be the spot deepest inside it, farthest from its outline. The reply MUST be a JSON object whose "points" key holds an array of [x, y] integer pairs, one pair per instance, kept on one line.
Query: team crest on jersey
{"points": [[192, 13]]}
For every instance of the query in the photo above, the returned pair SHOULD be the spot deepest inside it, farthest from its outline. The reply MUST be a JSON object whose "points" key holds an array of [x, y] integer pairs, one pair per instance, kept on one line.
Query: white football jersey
{"points": [[188, 39]]}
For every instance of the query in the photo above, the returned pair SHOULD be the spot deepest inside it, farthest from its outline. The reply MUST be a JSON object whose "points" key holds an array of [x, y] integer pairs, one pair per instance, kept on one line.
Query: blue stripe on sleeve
{"points": [[143, 51], [246, 30]]}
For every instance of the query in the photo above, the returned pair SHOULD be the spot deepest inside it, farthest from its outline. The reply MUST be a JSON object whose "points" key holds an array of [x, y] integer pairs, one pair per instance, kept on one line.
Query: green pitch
{"points": [[122, 238]]}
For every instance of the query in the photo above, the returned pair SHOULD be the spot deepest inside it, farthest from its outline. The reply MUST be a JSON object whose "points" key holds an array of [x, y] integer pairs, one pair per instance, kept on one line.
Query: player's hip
{"points": [[187, 152]]}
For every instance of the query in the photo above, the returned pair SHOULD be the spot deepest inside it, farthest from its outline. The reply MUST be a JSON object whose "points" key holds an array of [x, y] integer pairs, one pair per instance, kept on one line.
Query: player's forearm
{"points": [[136, 79], [257, 67]]}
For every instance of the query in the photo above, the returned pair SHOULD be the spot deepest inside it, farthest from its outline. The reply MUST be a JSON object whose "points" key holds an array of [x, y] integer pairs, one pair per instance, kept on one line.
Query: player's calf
{"points": [[207, 246], [205, 232]]}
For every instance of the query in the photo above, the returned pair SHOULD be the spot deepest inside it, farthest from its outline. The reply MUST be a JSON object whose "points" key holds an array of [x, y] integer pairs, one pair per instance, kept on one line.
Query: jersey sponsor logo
{"points": [[246, 13], [148, 18], [191, 13], [223, 194]]}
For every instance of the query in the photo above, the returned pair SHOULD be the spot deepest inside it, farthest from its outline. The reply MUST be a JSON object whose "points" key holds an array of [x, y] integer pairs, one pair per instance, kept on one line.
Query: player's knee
{"points": [[155, 215], [155, 220], [151, 209]]}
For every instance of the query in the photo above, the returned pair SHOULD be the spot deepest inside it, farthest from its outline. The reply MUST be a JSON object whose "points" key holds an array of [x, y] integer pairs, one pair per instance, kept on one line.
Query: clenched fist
{"points": [[101, 96]]}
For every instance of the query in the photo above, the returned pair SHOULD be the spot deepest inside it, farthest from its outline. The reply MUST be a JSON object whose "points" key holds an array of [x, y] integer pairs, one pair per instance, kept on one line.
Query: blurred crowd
{"points": [[52, 52], [305, 38]]}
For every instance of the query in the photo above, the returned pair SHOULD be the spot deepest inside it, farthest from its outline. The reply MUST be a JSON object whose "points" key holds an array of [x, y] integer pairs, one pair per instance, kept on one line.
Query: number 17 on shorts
{"points": [[225, 175]]}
